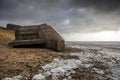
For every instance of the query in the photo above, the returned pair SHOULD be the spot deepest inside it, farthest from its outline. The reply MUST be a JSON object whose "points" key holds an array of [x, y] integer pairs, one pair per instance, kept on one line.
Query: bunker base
{"points": [[28, 43]]}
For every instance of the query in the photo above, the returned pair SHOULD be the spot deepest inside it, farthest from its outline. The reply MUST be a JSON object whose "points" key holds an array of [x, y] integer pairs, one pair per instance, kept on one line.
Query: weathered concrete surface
{"points": [[27, 42], [45, 32], [12, 26]]}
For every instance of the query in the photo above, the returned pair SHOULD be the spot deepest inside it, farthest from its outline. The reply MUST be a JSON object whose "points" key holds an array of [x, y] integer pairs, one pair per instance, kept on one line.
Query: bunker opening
{"points": [[31, 46]]}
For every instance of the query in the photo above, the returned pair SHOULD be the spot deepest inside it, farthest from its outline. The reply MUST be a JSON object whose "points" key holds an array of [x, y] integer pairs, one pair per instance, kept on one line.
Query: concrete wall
{"points": [[51, 44], [13, 26], [53, 40], [56, 40]]}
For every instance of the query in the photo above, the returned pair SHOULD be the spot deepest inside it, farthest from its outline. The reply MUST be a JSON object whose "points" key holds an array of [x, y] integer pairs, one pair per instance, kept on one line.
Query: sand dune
{"points": [[6, 35]]}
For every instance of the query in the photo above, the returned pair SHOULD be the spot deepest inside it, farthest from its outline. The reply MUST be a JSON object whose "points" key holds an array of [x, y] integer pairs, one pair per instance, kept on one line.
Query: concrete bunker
{"points": [[37, 36]]}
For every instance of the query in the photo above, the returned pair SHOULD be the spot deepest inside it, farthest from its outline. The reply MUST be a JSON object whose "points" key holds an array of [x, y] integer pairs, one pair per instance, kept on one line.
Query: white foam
{"points": [[59, 67], [39, 77], [19, 77]]}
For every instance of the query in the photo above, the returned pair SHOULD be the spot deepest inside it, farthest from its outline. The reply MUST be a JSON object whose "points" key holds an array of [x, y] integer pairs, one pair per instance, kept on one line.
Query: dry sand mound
{"points": [[6, 35], [27, 61]]}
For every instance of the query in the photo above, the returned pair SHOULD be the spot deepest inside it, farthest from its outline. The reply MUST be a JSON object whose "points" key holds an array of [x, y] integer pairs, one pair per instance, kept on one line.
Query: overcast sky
{"points": [[84, 20]]}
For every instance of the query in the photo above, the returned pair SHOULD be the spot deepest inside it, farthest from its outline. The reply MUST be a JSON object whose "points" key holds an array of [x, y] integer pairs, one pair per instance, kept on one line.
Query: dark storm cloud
{"points": [[66, 15], [29, 8], [7, 4], [99, 5], [94, 15]]}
